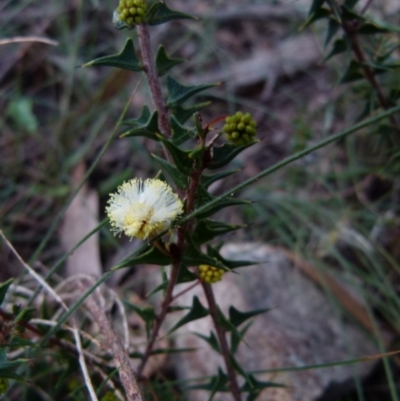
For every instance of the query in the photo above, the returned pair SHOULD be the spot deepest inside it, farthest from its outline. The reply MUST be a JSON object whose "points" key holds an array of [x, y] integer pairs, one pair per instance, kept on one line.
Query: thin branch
{"points": [[160, 318], [119, 354], [152, 77], [82, 363], [233, 384]]}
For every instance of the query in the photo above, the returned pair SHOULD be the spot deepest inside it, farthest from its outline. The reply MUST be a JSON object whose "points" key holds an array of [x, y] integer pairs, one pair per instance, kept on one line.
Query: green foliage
{"points": [[159, 13], [148, 128], [126, 59], [4, 288], [179, 93], [197, 311], [164, 63]]}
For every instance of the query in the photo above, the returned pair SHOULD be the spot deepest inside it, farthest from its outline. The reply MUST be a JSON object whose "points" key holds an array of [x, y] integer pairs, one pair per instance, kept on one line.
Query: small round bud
{"points": [[132, 12], [240, 129], [210, 274]]}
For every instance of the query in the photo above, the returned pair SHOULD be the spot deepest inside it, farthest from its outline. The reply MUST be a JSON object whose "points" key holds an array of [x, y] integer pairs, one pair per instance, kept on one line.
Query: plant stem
{"points": [[350, 29], [233, 384], [152, 78], [160, 318]]}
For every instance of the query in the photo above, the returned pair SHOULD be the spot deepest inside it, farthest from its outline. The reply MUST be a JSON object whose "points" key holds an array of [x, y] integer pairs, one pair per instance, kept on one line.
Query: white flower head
{"points": [[143, 209]]}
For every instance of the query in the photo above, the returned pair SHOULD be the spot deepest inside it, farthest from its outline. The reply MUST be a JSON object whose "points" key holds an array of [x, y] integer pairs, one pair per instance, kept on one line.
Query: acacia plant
{"points": [[172, 212]]}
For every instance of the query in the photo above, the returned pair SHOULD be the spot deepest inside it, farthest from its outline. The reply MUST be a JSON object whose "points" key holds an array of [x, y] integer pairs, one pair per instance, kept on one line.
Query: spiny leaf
{"points": [[141, 120], [126, 59], [237, 318], [208, 229], [316, 4], [164, 62], [207, 179], [373, 27], [339, 46], [4, 288], [183, 114], [352, 73], [222, 155], [315, 16], [217, 383], [178, 93], [333, 27], [151, 256], [203, 197], [180, 134], [254, 387], [185, 275], [193, 256], [149, 129], [231, 264], [181, 157], [197, 311], [147, 313], [211, 340], [180, 180], [237, 339], [159, 13]]}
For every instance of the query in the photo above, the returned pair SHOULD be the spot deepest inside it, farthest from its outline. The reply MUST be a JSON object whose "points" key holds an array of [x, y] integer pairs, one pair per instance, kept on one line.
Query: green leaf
{"points": [[22, 114], [164, 62], [152, 256], [147, 313], [373, 27], [231, 264], [208, 229], [224, 154], [207, 179], [352, 73], [149, 129], [185, 275], [254, 387], [204, 198], [216, 384], [339, 46], [333, 27], [183, 114], [212, 341], [237, 318], [178, 93], [159, 351], [180, 134], [6, 366], [350, 3], [197, 311], [160, 13], [126, 59], [193, 256], [180, 157], [20, 342], [348, 14], [4, 288], [237, 337], [316, 4], [318, 14], [180, 180], [141, 120], [161, 287]]}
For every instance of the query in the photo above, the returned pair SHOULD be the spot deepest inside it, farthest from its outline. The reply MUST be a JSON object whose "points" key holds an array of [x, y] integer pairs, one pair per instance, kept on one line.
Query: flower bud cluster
{"points": [[210, 274], [240, 128], [132, 11]]}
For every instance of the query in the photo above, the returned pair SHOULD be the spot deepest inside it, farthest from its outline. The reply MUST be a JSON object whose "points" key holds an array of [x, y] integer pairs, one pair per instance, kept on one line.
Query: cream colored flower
{"points": [[143, 209]]}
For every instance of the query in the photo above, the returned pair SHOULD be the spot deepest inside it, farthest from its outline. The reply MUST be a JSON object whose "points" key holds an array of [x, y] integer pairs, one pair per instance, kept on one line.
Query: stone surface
{"points": [[304, 327]]}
